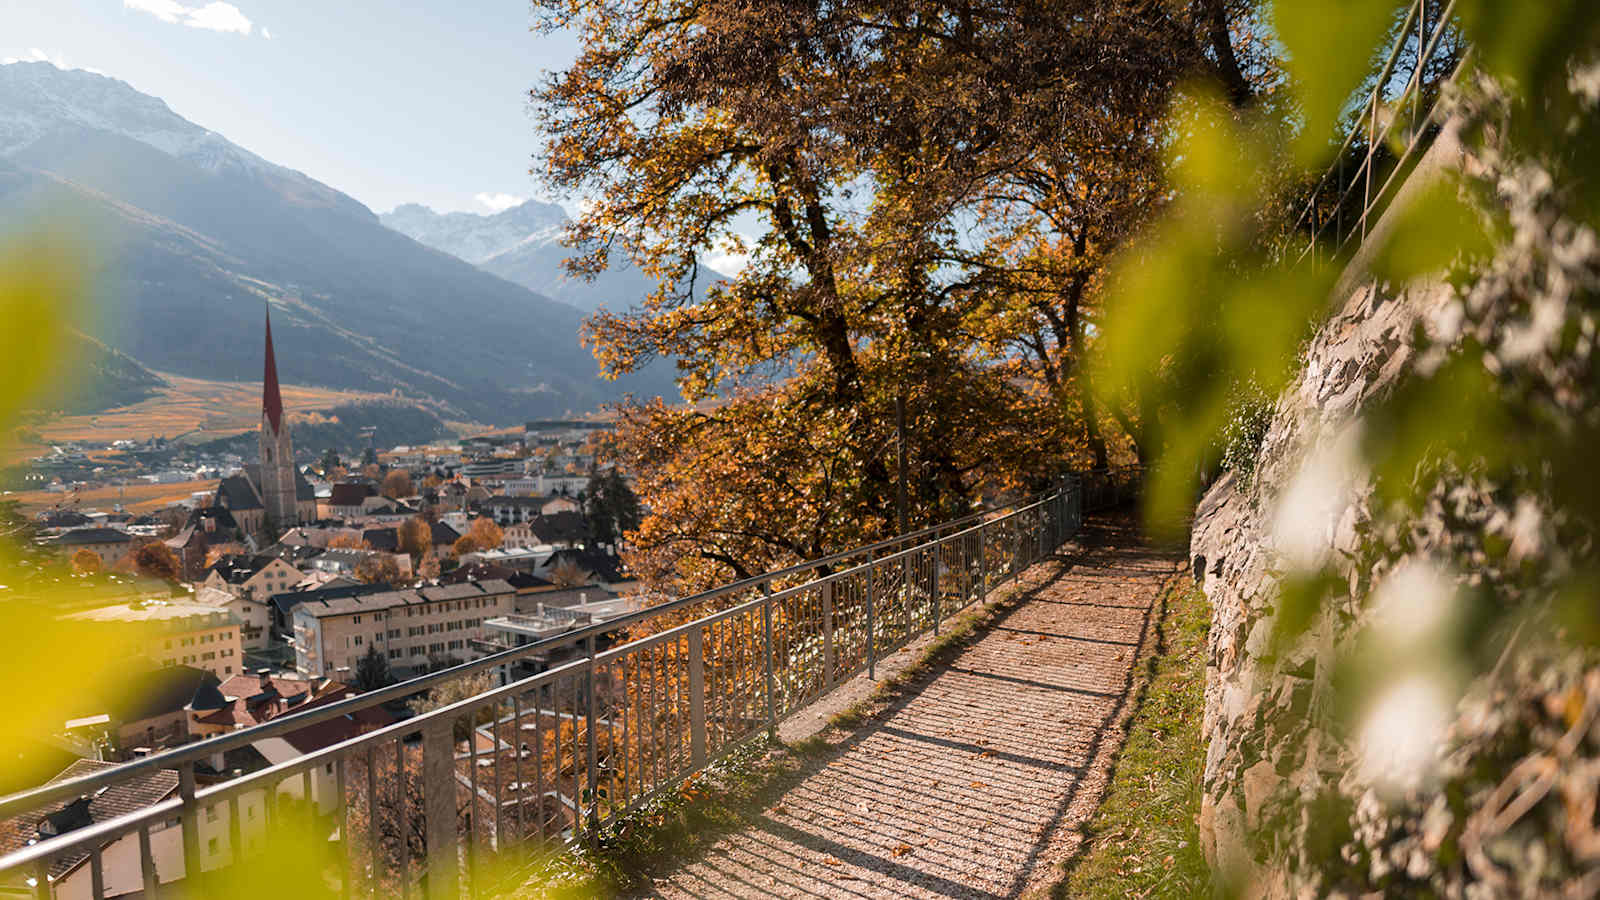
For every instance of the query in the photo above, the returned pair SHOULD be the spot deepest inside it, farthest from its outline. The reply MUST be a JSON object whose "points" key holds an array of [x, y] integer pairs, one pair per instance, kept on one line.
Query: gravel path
{"points": [[974, 781]]}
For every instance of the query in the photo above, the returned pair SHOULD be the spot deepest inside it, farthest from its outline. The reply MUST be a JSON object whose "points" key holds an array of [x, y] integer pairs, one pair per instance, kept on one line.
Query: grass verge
{"points": [[1143, 841]]}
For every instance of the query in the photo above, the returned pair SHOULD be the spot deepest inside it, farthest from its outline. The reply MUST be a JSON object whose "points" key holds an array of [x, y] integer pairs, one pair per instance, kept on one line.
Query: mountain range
{"points": [[193, 236], [523, 245]]}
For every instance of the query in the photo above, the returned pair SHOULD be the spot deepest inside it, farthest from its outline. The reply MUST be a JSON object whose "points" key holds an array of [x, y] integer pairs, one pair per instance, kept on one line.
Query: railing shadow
{"points": [[872, 786]]}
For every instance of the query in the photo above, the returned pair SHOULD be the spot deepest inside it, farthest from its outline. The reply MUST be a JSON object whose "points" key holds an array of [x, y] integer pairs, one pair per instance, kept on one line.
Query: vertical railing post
{"points": [[766, 629], [590, 682], [697, 698], [872, 636], [1372, 156], [438, 807], [933, 585], [190, 815], [147, 864], [908, 588], [1422, 45], [983, 561], [1019, 541], [827, 635]]}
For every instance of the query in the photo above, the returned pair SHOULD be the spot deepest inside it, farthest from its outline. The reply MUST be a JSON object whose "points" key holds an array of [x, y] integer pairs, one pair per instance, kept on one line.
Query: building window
{"points": [[211, 846], [358, 640], [358, 620]]}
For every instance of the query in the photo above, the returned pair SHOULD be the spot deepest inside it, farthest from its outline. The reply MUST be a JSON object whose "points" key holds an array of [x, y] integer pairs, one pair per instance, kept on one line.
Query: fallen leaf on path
{"points": [[903, 849]]}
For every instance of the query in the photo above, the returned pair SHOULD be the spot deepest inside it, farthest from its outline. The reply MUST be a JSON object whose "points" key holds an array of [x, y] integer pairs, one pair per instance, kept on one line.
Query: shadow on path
{"points": [[973, 778]]}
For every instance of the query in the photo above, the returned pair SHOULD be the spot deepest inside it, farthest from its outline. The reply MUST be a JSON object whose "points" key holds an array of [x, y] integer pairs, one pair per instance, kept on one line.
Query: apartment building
{"points": [[409, 627], [177, 633]]}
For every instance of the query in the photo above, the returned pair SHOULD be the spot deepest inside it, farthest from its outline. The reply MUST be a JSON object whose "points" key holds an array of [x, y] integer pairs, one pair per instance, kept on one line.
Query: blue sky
{"points": [[387, 100]]}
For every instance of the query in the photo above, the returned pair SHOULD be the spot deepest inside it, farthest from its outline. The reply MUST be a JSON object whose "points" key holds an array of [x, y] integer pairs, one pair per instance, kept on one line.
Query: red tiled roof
{"points": [[274, 701], [342, 728]]}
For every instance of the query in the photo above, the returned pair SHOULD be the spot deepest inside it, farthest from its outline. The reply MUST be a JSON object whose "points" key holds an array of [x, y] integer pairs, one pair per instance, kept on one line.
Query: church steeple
{"points": [[275, 479], [271, 400]]}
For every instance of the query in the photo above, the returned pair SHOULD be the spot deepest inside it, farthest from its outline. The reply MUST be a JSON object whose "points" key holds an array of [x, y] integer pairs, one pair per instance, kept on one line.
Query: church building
{"points": [[273, 490]]}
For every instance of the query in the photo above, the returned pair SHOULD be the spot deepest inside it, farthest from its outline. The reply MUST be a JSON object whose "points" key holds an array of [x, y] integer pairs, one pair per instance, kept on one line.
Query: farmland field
{"points": [[188, 407], [192, 405]]}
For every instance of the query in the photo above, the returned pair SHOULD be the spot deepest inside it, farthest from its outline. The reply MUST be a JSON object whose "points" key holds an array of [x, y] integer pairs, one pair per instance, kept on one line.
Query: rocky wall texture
{"points": [[1476, 783], [1263, 758]]}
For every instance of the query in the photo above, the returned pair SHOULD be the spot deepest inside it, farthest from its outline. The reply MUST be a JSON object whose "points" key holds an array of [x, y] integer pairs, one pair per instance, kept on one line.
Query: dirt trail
{"points": [[976, 780]]}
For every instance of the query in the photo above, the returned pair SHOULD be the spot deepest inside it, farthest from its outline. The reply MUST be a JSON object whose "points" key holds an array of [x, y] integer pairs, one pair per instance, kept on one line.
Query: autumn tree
{"points": [[397, 484], [485, 533], [464, 545], [454, 691], [348, 540], [378, 568], [152, 559], [919, 177], [86, 562], [415, 536], [569, 573]]}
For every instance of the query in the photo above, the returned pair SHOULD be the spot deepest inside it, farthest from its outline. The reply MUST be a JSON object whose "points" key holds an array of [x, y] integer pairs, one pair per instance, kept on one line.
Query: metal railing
{"points": [[1328, 223], [420, 805]]}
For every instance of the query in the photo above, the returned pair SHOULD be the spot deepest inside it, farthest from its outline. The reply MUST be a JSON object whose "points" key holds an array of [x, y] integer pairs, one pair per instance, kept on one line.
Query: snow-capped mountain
{"points": [[38, 100], [475, 238], [523, 245]]}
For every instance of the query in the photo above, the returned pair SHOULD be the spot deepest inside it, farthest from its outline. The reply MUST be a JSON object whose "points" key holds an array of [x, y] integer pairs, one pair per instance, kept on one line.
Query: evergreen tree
{"points": [[610, 507], [372, 670]]}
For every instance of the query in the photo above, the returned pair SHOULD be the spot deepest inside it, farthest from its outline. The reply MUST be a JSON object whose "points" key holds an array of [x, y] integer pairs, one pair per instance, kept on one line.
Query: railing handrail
{"points": [[189, 754], [1427, 46]]}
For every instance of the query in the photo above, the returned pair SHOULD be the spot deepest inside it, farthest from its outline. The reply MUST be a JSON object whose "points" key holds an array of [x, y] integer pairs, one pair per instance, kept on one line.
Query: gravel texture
{"points": [[972, 781]]}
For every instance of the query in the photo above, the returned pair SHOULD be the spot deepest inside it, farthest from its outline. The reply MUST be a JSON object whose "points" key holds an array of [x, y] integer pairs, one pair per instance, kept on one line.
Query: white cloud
{"points": [[219, 16], [499, 202], [729, 257], [266, 34], [214, 16], [169, 11]]}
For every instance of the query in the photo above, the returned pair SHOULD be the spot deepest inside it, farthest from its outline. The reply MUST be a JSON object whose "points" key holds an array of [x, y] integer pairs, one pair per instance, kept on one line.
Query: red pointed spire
{"points": [[271, 400]]}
